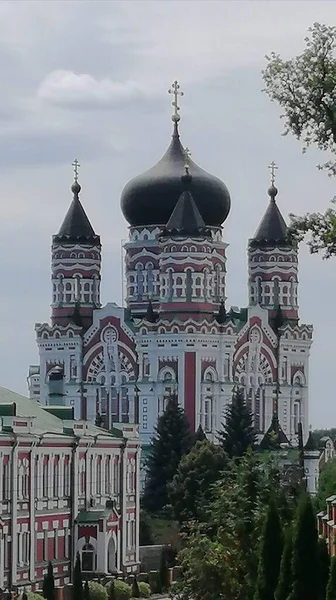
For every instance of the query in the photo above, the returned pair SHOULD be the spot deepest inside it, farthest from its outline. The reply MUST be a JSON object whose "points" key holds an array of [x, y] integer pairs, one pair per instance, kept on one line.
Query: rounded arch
{"points": [[144, 330], [191, 329], [299, 379], [210, 374], [167, 374]]}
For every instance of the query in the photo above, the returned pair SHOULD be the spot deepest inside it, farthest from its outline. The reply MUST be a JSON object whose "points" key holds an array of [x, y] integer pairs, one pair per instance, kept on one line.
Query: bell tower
{"points": [[76, 263]]}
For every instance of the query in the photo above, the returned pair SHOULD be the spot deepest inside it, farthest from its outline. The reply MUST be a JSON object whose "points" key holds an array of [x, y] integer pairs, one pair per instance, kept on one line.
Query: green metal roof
{"points": [[93, 516]]}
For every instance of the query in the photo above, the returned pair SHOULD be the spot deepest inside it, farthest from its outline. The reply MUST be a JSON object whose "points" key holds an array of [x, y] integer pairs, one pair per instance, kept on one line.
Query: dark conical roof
{"points": [[272, 229], [274, 436], [76, 225], [310, 443], [151, 317], [221, 316], [150, 198], [186, 218]]}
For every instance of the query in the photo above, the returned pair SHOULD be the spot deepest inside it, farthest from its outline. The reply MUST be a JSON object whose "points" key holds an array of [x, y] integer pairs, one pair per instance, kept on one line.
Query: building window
{"points": [[73, 367], [107, 478], [45, 546], [99, 476], [55, 480], [66, 486], [25, 548], [88, 558], [296, 416], [116, 478], [45, 480], [67, 549], [6, 481], [207, 413]]}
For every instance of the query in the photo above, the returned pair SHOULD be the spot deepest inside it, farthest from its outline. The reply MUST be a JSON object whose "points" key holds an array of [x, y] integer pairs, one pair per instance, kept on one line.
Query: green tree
{"points": [[145, 531], [135, 588], [86, 593], [305, 555], [327, 483], [270, 555], [164, 571], [237, 434], [173, 440], [99, 420], [305, 88], [24, 596], [111, 591], [77, 588], [285, 575], [323, 567], [199, 435], [331, 587], [49, 584], [191, 489]]}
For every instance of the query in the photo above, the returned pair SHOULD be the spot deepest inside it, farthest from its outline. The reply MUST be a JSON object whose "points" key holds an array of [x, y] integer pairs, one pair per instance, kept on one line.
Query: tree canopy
{"points": [[327, 483], [191, 489], [237, 434], [270, 555], [305, 88], [172, 440], [305, 565]]}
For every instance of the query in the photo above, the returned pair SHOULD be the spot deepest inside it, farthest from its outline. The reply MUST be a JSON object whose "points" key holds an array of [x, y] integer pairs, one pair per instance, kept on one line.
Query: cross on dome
{"points": [[176, 91], [273, 167], [75, 166]]}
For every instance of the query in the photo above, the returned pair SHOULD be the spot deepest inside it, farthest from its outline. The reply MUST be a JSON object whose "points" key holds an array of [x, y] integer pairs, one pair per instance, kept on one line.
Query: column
{"points": [[137, 501], [31, 539], [14, 499], [2, 558]]}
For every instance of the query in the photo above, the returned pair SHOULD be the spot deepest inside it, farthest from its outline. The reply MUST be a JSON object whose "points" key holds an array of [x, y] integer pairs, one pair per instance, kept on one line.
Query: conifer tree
{"points": [[324, 567], [271, 546], [173, 439], [86, 593], [24, 596], [331, 587], [305, 555], [237, 434], [285, 576], [135, 588], [199, 435], [49, 584], [77, 588]]}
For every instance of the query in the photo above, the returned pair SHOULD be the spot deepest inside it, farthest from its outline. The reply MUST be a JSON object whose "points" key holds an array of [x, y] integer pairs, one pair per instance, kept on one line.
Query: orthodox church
{"points": [[176, 333]]}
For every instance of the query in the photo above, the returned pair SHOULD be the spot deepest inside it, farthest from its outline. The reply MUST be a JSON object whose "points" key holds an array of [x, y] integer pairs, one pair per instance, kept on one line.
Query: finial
{"points": [[272, 190], [175, 91], [75, 188], [186, 177]]}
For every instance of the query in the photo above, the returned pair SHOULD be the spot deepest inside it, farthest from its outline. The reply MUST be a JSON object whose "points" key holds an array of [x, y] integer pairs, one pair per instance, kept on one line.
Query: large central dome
{"points": [[150, 198]]}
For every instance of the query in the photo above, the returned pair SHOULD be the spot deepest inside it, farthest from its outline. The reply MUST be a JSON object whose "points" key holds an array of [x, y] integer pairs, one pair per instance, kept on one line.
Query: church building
{"points": [[176, 333]]}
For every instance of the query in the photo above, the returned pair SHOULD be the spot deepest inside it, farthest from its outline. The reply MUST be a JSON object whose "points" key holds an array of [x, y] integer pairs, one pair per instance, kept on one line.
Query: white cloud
{"points": [[70, 89]]}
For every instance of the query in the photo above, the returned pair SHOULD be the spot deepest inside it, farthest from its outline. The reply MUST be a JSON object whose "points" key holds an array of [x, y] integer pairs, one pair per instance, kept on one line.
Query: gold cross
{"points": [[273, 167], [175, 91], [75, 166]]}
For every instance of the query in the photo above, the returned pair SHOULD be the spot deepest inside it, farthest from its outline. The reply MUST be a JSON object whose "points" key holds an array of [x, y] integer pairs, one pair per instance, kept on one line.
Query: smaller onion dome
{"points": [[150, 198]]}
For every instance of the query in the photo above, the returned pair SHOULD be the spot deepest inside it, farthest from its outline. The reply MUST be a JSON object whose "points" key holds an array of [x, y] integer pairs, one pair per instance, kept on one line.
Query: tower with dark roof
{"points": [[76, 262]]}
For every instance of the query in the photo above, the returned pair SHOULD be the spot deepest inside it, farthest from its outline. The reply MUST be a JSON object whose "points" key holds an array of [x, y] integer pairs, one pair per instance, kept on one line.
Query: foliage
{"points": [[30, 596], [305, 88], [49, 584], [122, 591], [285, 574], [145, 532], [270, 555], [24, 596], [327, 483], [86, 592], [172, 440], [219, 555], [199, 435], [323, 567], [135, 593], [77, 589], [144, 589], [331, 587], [305, 556], [320, 433], [237, 434], [99, 420], [191, 489], [164, 571], [97, 591]]}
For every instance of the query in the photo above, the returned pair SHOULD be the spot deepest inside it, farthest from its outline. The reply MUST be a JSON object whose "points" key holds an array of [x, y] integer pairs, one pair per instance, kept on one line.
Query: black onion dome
{"points": [[150, 198]]}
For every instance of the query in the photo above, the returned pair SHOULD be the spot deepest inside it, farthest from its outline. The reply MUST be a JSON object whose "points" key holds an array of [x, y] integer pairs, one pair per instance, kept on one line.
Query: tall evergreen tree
{"points": [[285, 576], [199, 435], [49, 584], [331, 587], [324, 567], [237, 434], [305, 555], [271, 546], [77, 588], [86, 592], [173, 439]]}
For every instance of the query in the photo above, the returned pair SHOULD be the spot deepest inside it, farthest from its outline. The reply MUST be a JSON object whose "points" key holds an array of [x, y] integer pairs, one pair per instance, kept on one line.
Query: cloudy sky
{"points": [[89, 79]]}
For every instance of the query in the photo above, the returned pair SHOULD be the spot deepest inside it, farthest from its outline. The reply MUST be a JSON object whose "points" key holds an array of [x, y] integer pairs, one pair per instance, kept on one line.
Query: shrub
{"points": [[97, 591], [144, 589], [122, 591], [32, 596], [135, 588]]}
